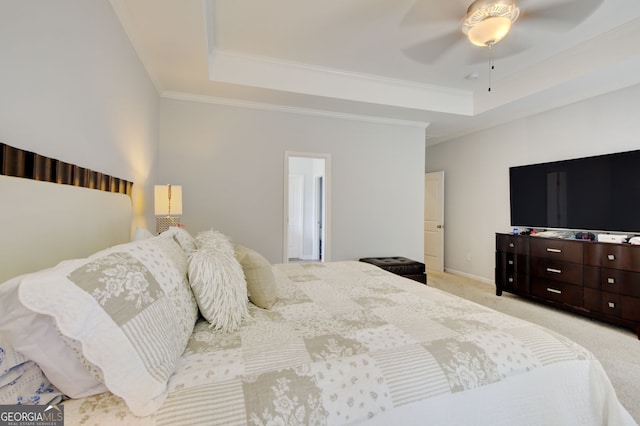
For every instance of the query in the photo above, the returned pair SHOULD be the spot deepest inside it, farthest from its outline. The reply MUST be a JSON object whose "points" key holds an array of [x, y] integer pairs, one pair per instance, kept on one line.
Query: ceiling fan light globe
{"points": [[489, 31]]}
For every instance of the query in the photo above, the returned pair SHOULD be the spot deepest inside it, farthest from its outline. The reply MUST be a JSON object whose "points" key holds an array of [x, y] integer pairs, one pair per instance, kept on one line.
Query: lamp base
{"points": [[163, 223]]}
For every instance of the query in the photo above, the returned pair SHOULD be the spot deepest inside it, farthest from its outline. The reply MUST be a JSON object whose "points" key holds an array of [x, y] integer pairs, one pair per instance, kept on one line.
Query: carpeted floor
{"points": [[617, 349]]}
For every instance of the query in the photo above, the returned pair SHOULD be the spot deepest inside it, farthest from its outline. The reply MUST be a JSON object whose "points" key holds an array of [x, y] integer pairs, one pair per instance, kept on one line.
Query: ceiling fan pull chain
{"points": [[491, 66]]}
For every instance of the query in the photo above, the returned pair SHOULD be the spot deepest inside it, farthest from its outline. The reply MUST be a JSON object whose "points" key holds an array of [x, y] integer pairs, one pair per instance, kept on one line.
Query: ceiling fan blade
{"points": [[504, 49], [477, 55], [424, 12], [363, 11], [562, 16], [429, 51]]}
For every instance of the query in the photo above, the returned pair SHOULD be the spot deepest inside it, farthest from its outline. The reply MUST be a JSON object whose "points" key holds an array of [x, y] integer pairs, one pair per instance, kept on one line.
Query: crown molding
{"points": [[270, 73], [190, 97]]}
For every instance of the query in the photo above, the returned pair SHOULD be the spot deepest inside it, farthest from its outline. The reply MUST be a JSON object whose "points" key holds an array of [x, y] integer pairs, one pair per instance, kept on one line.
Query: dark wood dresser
{"points": [[599, 280], [512, 264]]}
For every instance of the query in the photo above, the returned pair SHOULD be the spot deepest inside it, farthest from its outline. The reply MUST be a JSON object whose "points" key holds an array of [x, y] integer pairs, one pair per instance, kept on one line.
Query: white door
{"points": [[434, 221], [296, 216]]}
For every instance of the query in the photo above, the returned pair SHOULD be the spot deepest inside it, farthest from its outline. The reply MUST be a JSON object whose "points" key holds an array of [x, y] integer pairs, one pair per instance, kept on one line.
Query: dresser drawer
{"points": [[552, 248], [557, 291], [552, 269], [512, 263], [630, 308], [614, 304], [512, 244], [614, 256], [602, 301], [514, 283], [511, 274], [612, 280]]}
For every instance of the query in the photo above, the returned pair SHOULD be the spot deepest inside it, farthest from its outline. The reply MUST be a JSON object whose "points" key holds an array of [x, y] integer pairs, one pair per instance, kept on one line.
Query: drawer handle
{"points": [[511, 245], [510, 279], [612, 305], [555, 271], [511, 262], [611, 280], [553, 290], [552, 250], [611, 257]]}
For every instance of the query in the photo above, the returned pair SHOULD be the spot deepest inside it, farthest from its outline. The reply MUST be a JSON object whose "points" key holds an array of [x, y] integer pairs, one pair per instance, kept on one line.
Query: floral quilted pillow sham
{"points": [[130, 308]]}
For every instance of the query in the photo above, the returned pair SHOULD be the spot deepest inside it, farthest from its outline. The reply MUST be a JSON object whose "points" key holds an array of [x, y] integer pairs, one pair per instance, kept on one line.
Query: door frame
{"points": [[296, 183], [326, 246]]}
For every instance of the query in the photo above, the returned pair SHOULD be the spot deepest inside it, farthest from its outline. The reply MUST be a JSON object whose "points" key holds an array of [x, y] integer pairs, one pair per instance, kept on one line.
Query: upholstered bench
{"points": [[400, 266]]}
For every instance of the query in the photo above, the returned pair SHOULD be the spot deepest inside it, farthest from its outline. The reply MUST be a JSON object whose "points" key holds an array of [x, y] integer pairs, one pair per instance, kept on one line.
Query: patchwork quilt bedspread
{"points": [[350, 343]]}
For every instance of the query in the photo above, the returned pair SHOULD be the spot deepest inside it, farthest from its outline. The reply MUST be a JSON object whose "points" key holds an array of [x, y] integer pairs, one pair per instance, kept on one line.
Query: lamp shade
{"points": [[168, 200]]}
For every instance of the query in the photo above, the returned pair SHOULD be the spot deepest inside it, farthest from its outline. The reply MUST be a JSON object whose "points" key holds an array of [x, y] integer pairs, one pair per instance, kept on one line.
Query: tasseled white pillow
{"points": [[218, 282]]}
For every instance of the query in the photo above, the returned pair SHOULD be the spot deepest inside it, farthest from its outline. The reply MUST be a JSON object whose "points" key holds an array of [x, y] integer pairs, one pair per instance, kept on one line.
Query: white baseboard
{"points": [[473, 277]]}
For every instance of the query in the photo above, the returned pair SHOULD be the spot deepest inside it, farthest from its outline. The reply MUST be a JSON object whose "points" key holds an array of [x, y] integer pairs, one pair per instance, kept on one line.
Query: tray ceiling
{"points": [[401, 61]]}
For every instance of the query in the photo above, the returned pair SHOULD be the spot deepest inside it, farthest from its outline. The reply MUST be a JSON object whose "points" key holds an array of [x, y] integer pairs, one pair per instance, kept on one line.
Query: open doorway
{"points": [[306, 210]]}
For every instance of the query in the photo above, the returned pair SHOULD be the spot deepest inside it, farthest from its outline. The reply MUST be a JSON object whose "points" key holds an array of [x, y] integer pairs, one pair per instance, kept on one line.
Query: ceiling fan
{"points": [[487, 22]]}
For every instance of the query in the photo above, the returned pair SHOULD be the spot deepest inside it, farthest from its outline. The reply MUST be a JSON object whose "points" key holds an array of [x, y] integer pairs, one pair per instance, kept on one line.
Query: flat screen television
{"points": [[600, 193]]}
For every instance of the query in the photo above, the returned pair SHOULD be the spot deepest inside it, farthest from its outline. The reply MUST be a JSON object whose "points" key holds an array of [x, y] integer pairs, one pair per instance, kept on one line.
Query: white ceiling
{"points": [[398, 61]]}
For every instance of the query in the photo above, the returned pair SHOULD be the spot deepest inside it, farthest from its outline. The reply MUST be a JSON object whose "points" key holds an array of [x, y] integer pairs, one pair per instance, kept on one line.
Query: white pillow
{"points": [[131, 309], [37, 337], [141, 234], [218, 282], [22, 381], [182, 237]]}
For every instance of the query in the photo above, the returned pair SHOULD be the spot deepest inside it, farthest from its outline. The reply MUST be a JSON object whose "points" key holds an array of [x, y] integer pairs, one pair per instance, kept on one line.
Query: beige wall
{"points": [[72, 88], [230, 162], [477, 167]]}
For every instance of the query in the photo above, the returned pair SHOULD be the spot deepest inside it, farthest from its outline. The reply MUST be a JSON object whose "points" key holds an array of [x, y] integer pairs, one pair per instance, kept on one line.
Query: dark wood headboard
{"points": [[20, 163]]}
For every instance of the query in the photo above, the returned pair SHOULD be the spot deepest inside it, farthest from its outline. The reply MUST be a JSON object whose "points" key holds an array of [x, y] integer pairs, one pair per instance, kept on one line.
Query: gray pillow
{"points": [[261, 284]]}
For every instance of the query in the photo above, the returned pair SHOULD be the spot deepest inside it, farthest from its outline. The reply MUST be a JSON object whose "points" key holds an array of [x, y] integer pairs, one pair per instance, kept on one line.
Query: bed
{"points": [[330, 343]]}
